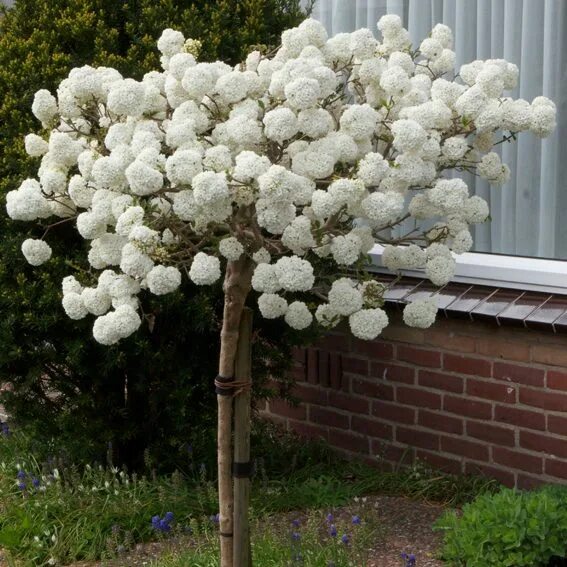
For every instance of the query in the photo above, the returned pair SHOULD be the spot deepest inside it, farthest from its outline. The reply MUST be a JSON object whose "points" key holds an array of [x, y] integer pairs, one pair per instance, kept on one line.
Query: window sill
{"points": [[500, 271]]}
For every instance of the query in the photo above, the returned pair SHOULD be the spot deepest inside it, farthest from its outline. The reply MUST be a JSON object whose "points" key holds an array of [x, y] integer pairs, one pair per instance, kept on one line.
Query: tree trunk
{"points": [[236, 287], [242, 556]]}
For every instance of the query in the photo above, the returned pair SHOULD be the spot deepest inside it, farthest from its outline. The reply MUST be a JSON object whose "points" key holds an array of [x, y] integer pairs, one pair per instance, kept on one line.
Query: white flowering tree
{"points": [[278, 175]]}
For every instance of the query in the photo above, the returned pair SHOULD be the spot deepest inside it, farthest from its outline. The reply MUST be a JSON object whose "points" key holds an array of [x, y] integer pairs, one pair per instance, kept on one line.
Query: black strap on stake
{"points": [[242, 470], [223, 385], [225, 534]]}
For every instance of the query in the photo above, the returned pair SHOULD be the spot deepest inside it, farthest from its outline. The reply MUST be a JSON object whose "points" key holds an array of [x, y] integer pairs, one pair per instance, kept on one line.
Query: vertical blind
{"points": [[529, 213]]}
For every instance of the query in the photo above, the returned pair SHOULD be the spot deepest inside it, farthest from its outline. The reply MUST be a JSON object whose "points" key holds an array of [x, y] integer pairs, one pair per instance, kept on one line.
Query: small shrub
{"points": [[508, 529]]}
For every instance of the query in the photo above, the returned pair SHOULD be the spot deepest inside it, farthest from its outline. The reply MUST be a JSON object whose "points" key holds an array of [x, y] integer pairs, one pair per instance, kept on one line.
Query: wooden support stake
{"points": [[243, 369]]}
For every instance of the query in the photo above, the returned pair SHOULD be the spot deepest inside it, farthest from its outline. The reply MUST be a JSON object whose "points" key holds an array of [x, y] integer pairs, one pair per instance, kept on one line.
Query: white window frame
{"points": [[497, 270]]}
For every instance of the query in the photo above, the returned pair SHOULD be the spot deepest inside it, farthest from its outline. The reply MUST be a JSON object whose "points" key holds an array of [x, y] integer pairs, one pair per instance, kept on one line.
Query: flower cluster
{"points": [[162, 525], [293, 165]]}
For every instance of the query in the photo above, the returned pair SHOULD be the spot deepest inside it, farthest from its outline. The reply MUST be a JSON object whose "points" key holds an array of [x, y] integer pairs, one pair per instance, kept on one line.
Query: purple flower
{"points": [[22, 486], [333, 530], [295, 523], [356, 520], [215, 519], [168, 516], [345, 539], [21, 475], [330, 518], [409, 560], [35, 482], [295, 536], [4, 428], [162, 524]]}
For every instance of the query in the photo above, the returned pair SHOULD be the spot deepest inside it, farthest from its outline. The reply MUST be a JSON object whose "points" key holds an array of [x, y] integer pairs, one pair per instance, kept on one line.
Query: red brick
{"points": [[299, 373], [311, 394], [355, 365], [376, 350], [491, 433], [373, 388], [519, 374], [542, 443], [335, 342], [393, 372], [417, 397], [491, 391], [448, 340], [309, 430], [348, 441], [393, 412], [526, 482], [299, 354], [557, 380], [312, 373], [556, 468], [520, 417], [467, 365], [420, 357], [347, 402], [282, 408], [440, 422], [371, 427], [440, 381], [553, 355], [388, 452], [504, 477], [416, 438], [460, 446], [323, 416], [508, 350], [437, 461], [517, 460], [335, 370], [403, 333], [468, 408], [551, 401], [557, 424]]}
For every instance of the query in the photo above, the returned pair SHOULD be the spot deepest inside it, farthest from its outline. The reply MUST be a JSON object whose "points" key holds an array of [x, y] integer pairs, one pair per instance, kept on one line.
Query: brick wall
{"points": [[466, 397]]}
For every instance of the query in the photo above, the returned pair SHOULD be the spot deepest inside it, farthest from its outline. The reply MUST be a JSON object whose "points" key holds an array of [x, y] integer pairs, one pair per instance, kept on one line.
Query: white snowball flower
{"points": [[249, 165], [209, 187], [74, 306], [367, 324], [302, 93], [171, 42], [462, 242], [455, 148], [143, 179], [265, 279], [134, 262], [280, 124], [298, 315], [314, 122], [409, 136], [232, 87], [372, 168], [36, 252], [383, 207], [261, 256], [27, 203], [116, 325], [395, 81], [182, 166], [346, 249], [272, 305], [421, 313], [475, 210], [96, 301], [326, 316], [71, 285], [359, 121], [35, 145], [205, 269], [294, 273], [218, 158], [163, 279], [344, 297], [126, 98], [440, 270], [44, 106], [231, 248], [90, 226]]}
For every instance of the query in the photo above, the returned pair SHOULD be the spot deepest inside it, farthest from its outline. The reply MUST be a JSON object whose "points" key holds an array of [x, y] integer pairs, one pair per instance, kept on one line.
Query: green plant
{"points": [[313, 539], [507, 529], [146, 395]]}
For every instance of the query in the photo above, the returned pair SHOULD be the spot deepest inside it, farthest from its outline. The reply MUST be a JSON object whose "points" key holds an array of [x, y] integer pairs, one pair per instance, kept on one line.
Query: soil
{"points": [[406, 528]]}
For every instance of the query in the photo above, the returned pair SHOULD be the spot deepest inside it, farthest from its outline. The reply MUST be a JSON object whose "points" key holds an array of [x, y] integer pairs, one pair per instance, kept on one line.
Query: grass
{"points": [[52, 511]]}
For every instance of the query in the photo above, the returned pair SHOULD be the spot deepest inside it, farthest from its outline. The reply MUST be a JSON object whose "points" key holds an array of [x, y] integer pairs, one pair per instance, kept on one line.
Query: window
{"points": [[527, 211]]}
